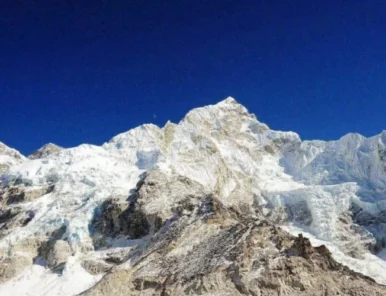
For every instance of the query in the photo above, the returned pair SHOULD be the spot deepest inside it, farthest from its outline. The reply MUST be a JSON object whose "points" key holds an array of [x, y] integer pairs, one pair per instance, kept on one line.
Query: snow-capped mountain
{"points": [[9, 157], [118, 218]]}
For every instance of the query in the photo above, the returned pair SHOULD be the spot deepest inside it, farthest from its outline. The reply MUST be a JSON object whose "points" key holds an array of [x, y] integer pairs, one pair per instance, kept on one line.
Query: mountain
{"points": [[45, 151], [9, 157], [218, 204]]}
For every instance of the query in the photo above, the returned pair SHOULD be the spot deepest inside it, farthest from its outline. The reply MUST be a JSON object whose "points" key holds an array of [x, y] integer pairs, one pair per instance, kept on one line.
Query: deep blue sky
{"points": [[72, 73]]}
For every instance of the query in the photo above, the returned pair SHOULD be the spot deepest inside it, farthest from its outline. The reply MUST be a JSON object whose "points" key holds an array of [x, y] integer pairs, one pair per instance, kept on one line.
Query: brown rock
{"points": [[12, 266], [58, 253]]}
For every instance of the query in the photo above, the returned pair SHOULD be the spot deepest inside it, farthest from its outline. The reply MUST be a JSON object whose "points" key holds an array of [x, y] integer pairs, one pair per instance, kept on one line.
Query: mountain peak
{"points": [[4, 147], [231, 103], [9, 157], [6, 150], [45, 151], [228, 100]]}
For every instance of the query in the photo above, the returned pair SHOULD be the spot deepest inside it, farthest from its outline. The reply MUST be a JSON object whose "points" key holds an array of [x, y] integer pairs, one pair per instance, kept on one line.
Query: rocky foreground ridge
{"points": [[203, 207], [200, 247]]}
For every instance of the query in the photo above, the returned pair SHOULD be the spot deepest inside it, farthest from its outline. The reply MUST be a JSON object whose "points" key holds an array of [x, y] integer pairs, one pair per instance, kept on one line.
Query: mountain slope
{"points": [[79, 211], [9, 157], [209, 249]]}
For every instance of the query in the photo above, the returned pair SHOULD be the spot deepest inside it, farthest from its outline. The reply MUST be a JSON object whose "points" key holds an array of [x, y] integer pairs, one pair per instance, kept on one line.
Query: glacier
{"points": [[334, 192]]}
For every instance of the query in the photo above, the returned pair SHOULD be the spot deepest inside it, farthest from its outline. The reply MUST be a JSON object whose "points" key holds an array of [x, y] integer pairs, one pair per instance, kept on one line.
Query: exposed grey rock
{"points": [[12, 214], [300, 213], [13, 218], [117, 217], [18, 194], [156, 198], [57, 253], [371, 226]]}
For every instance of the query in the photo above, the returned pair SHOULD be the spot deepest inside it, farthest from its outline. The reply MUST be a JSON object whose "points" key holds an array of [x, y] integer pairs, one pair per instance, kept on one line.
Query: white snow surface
{"points": [[38, 280], [224, 148]]}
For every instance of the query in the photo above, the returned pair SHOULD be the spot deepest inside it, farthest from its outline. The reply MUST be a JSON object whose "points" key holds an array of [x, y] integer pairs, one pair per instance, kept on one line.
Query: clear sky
{"points": [[75, 72]]}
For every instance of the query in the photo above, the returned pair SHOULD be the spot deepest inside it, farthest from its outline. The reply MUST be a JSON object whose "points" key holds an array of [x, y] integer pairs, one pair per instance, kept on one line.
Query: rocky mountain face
{"points": [[218, 204], [197, 246]]}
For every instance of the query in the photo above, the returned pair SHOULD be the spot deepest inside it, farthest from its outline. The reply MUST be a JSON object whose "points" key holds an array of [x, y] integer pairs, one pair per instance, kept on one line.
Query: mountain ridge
{"points": [[225, 101]]}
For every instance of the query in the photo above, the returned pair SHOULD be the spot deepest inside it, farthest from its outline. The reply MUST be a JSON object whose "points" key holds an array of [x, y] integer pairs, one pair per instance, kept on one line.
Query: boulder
{"points": [[58, 253]]}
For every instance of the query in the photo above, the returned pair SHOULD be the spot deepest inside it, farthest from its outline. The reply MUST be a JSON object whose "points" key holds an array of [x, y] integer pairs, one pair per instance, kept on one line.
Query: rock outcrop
{"points": [[117, 217], [12, 214], [12, 266], [18, 194], [58, 253]]}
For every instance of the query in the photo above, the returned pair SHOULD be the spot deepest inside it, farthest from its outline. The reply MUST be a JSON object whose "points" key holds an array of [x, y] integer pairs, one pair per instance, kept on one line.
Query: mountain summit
{"points": [[45, 151], [218, 204]]}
